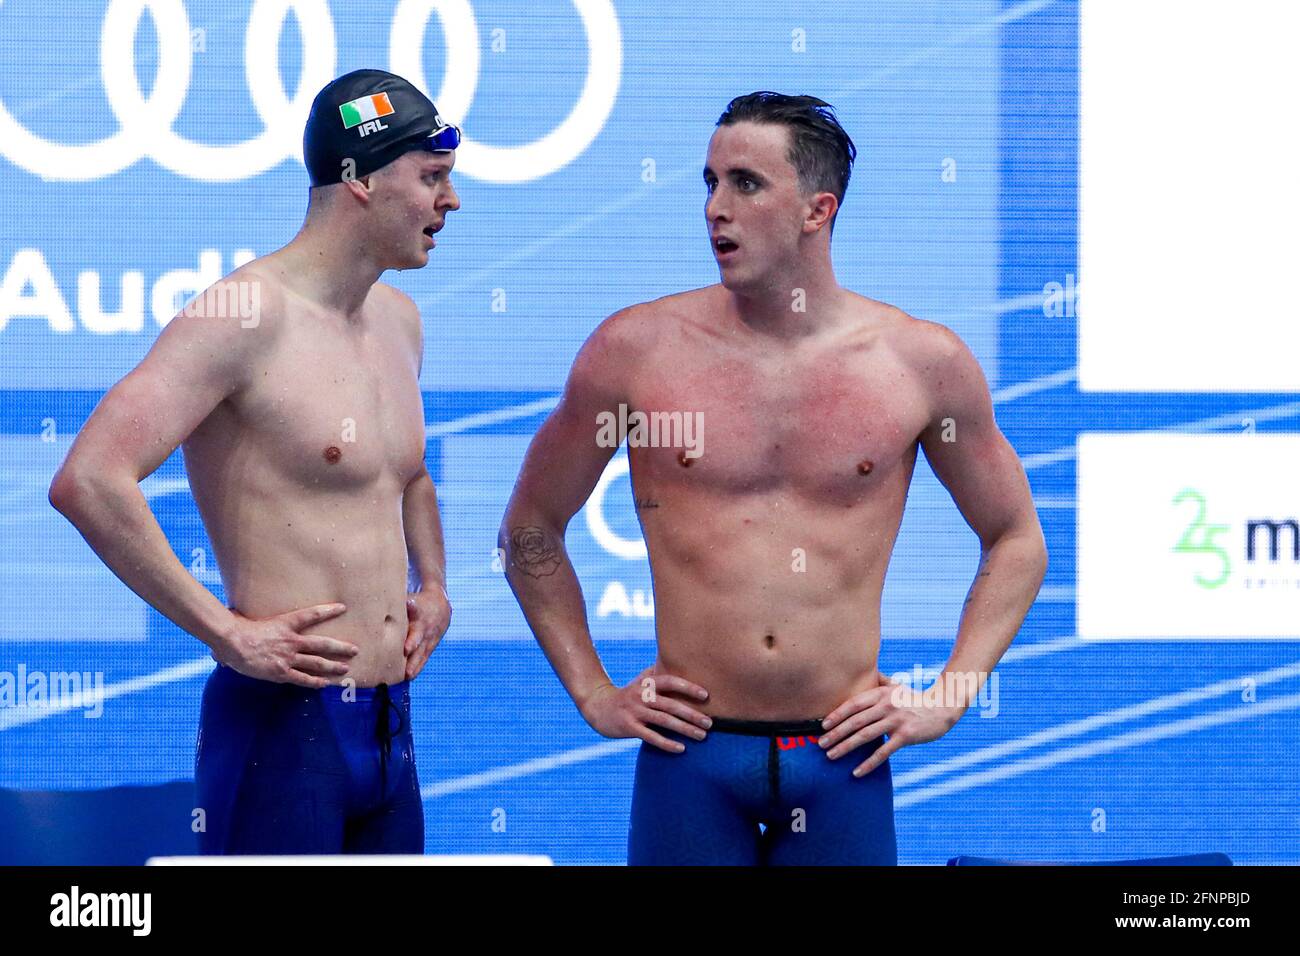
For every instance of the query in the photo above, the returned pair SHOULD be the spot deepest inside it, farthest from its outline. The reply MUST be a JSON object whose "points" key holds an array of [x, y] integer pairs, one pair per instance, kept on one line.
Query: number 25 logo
{"points": [[1190, 543]]}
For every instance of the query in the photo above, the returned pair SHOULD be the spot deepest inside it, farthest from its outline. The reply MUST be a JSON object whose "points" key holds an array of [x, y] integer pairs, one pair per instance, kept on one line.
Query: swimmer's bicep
{"points": [[194, 365], [968, 452], [987, 483], [570, 450]]}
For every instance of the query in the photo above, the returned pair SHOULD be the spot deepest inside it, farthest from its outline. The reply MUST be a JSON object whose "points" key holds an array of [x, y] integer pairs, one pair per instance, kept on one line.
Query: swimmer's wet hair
{"points": [[820, 151]]}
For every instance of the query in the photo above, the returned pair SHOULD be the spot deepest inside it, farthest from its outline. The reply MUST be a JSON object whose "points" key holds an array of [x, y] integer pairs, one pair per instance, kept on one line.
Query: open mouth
{"points": [[722, 245], [429, 231]]}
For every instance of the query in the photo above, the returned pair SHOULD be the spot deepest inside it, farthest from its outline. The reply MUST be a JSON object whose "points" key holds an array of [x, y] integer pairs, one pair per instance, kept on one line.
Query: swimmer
{"points": [[293, 387], [766, 724]]}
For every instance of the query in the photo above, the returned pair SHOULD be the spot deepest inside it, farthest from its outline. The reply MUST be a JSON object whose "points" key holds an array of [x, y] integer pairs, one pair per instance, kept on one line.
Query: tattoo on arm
{"points": [[534, 552], [981, 573]]}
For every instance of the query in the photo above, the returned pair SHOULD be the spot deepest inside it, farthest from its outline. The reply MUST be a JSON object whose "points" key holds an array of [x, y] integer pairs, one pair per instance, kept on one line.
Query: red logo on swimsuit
{"points": [[789, 743]]}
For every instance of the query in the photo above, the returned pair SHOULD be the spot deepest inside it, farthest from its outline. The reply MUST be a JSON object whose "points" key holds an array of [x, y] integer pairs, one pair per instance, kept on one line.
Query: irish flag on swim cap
{"points": [[365, 108]]}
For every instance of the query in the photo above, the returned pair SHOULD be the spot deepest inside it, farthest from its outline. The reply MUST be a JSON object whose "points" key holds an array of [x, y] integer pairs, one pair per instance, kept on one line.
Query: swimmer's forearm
{"points": [[543, 580], [422, 526], [114, 518], [1008, 578]]}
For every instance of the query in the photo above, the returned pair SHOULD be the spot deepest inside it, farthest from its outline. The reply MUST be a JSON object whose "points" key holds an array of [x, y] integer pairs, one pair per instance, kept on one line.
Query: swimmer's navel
{"points": [[865, 466]]}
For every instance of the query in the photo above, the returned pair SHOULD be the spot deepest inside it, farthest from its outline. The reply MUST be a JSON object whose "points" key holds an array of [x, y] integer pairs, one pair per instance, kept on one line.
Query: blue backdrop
{"points": [[143, 160]]}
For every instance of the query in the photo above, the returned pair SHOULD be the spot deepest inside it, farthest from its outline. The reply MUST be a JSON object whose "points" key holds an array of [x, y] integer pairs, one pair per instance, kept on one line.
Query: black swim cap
{"points": [[366, 119]]}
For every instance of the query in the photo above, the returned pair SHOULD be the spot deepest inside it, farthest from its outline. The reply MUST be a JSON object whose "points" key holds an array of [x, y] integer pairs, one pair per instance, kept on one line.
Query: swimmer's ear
{"points": [[361, 187], [822, 209]]}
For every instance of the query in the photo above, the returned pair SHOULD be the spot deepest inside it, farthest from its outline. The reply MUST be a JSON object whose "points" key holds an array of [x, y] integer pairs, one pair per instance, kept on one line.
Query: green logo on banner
{"points": [[1199, 538]]}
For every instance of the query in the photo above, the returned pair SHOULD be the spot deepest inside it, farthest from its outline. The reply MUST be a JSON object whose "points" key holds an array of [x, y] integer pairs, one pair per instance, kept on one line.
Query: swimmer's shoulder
{"points": [[237, 317], [619, 346], [391, 298], [920, 344], [646, 323], [224, 335], [404, 310], [936, 359], [264, 284], [631, 327]]}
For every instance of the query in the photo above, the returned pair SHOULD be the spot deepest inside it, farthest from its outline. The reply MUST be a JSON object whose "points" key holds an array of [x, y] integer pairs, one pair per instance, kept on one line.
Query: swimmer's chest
{"points": [[340, 412], [833, 429]]}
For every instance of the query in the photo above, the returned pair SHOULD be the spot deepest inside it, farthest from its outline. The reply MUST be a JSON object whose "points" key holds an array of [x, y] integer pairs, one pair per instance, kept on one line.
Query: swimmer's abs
{"points": [[375, 623], [381, 660], [770, 685], [272, 574]]}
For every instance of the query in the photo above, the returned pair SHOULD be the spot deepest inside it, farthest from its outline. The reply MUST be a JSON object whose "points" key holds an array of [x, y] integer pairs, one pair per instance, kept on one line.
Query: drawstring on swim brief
{"points": [[384, 730]]}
